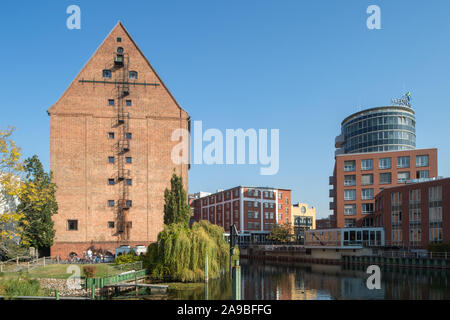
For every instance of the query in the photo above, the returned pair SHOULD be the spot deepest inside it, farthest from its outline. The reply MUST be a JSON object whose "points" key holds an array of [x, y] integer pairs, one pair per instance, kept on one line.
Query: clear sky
{"points": [[297, 66]]}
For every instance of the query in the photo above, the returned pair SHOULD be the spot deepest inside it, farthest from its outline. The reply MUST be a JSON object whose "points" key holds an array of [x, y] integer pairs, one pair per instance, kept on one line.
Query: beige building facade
{"points": [[303, 217]]}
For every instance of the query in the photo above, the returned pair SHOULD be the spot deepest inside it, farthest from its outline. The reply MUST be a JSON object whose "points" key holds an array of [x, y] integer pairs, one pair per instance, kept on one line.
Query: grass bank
{"points": [[21, 285], [60, 271]]}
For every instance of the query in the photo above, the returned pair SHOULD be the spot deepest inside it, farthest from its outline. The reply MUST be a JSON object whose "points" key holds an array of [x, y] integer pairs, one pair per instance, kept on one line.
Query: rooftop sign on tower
{"points": [[403, 101]]}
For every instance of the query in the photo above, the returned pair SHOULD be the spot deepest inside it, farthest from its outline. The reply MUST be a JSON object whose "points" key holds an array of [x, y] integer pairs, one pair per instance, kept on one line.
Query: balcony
{"points": [[339, 152], [332, 180], [339, 141], [332, 193], [118, 60], [123, 174], [122, 117], [124, 204], [123, 146]]}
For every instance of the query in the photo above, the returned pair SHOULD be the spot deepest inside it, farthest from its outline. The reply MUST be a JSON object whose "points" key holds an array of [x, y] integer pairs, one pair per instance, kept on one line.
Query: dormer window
{"points": [[133, 75], [106, 73]]}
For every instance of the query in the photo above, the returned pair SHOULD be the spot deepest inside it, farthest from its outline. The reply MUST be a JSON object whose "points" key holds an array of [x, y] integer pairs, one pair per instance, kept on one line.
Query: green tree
{"points": [[11, 186], [176, 208], [281, 233], [180, 252], [38, 205]]}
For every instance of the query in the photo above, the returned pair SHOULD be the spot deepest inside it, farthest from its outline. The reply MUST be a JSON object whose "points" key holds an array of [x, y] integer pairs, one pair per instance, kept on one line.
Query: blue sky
{"points": [[298, 66]]}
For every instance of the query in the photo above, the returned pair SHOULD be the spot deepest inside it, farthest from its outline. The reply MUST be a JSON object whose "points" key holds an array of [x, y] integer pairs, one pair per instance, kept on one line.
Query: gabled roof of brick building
{"points": [[87, 70]]}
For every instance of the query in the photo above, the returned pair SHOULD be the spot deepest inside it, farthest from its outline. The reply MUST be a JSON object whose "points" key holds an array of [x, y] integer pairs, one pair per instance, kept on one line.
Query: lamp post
{"points": [[206, 279], [236, 281], [233, 235]]}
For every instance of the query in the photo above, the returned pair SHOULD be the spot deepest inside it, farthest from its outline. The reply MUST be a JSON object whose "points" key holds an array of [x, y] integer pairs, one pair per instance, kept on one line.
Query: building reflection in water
{"points": [[276, 281]]}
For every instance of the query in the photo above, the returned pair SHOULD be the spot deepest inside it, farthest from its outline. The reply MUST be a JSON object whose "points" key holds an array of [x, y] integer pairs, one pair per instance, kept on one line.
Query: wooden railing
{"points": [[99, 283]]}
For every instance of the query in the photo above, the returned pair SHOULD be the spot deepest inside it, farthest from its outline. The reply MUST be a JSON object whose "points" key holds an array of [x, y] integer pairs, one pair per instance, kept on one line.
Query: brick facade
{"points": [[339, 185], [416, 214], [232, 206], [80, 147]]}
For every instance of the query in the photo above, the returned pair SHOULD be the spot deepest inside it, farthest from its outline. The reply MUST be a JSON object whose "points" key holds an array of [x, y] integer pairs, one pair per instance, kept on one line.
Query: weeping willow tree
{"points": [[180, 253]]}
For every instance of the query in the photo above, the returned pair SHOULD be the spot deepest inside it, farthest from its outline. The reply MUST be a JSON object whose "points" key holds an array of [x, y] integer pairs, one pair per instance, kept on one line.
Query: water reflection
{"points": [[316, 282], [296, 281]]}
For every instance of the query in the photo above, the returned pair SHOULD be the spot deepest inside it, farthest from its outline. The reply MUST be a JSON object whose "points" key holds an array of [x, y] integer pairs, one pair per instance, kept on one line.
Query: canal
{"points": [[296, 281]]}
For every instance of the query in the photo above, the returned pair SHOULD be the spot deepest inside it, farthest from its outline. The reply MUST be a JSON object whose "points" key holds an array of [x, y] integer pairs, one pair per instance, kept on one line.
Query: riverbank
{"points": [[338, 256]]}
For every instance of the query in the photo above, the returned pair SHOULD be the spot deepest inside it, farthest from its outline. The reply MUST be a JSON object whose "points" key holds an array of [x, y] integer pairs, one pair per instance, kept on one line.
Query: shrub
{"points": [[129, 257], [90, 271], [21, 286]]}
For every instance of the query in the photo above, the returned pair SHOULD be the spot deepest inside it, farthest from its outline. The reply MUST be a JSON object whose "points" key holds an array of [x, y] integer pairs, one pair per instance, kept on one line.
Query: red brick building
{"points": [[254, 210], [359, 177], [111, 149], [415, 214], [326, 223]]}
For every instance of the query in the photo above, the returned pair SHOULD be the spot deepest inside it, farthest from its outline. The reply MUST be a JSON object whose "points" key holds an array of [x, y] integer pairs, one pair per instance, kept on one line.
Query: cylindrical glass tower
{"points": [[390, 128]]}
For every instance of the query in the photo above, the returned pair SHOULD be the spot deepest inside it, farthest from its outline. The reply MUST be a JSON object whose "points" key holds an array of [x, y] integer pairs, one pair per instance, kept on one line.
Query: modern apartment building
{"points": [[415, 214], [380, 129], [375, 150], [253, 210], [110, 150], [358, 178]]}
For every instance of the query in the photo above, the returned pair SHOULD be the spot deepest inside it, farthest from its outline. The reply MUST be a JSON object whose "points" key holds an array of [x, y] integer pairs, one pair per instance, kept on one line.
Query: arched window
{"points": [[119, 50], [106, 73], [133, 75]]}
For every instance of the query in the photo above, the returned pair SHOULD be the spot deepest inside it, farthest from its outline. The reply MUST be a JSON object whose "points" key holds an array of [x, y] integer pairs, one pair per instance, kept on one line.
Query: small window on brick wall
{"points": [[129, 159], [129, 182], [72, 225], [110, 135], [133, 75], [129, 103], [111, 224], [111, 159], [129, 135], [106, 73], [111, 182], [110, 203], [110, 102]]}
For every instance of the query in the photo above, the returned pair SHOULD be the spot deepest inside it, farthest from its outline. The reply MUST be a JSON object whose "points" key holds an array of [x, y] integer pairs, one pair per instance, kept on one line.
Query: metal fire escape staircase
{"points": [[122, 146]]}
